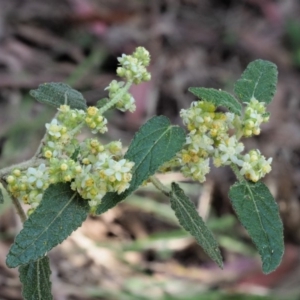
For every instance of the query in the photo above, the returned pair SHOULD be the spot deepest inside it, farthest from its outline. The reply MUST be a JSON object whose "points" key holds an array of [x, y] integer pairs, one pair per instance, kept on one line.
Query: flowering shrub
{"points": [[67, 179]]}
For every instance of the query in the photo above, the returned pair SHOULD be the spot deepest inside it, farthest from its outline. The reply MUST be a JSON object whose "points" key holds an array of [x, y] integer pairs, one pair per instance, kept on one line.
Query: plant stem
{"points": [[17, 204], [116, 98], [157, 183], [237, 173], [42, 143], [21, 166], [19, 208]]}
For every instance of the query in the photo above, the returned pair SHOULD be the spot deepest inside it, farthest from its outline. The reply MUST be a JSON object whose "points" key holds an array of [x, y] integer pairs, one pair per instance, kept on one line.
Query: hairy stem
{"points": [[237, 173], [157, 183], [33, 162], [17, 204], [116, 98]]}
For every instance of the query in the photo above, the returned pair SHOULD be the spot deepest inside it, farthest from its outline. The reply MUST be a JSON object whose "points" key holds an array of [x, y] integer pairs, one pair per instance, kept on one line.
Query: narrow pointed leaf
{"points": [[35, 278], [190, 220], [57, 94], [219, 98], [60, 213], [258, 81], [258, 212], [156, 142]]}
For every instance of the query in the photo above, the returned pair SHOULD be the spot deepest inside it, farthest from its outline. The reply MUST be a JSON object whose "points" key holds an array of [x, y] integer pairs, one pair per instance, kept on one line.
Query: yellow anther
{"points": [[256, 131], [92, 111], [64, 167], [127, 177], [86, 161], [266, 168], [100, 119], [186, 158], [94, 143], [88, 120], [89, 182], [17, 172], [102, 174], [48, 154], [93, 125], [78, 169], [67, 178], [10, 179], [112, 178]]}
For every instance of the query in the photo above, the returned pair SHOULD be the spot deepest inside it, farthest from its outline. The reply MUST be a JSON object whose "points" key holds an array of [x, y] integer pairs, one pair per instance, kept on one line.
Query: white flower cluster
{"points": [[92, 169], [255, 114], [29, 185], [97, 169], [209, 138]]}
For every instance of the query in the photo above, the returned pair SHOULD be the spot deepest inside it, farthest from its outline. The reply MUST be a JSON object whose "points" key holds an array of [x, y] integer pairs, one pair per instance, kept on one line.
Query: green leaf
{"points": [[75, 154], [102, 102], [35, 278], [190, 220], [57, 94], [1, 197], [219, 98], [258, 212], [258, 81], [156, 142], [60, 212]]}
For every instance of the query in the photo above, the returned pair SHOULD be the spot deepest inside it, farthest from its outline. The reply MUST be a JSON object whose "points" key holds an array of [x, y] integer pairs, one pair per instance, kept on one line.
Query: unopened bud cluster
{"points": [[133, 67], [209, 138], [91, 168]]}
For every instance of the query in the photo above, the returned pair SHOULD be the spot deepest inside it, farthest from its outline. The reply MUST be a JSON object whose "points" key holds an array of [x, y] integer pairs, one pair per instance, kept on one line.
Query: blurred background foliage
{"points": [[137, 250]]}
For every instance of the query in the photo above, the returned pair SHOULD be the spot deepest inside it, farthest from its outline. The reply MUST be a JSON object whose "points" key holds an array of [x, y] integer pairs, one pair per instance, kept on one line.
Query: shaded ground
{"points": [[137, 249]]}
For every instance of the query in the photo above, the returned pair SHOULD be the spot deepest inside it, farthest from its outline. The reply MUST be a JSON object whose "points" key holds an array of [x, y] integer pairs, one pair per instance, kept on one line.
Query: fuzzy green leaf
{"points": [[219, 98], [75, 154], [156, 142], [57, 94], [102, 102], [35, 278], [258, 212], [258, 81], [60, 212], [190, 220], [1, 196]]}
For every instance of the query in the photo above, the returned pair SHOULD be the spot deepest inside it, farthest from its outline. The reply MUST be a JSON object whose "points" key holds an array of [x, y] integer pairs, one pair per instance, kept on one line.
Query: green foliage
{"points": [[35, 278], [59, 214], [75, 154], [258, 81], [92, 168], [190, 220], [102, 102], [57, 94], [258, 212], [156, 142], [219, 98]]}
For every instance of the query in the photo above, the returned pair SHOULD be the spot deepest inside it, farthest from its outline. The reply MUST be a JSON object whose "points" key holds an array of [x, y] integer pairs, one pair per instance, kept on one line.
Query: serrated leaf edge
{"points": [[218, 261], [24, 249]]}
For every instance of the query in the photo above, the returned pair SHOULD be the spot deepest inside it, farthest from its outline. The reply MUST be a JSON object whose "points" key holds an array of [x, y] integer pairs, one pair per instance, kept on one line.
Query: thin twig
{"points": [[16, 203], [157, 183]]}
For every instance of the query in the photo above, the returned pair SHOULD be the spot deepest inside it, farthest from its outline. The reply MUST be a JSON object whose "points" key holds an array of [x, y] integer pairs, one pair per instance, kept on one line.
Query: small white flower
{"points": [[229, 151], [117, 168], [198, 142], [102, 159], [38, 176], [54, 128]]}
